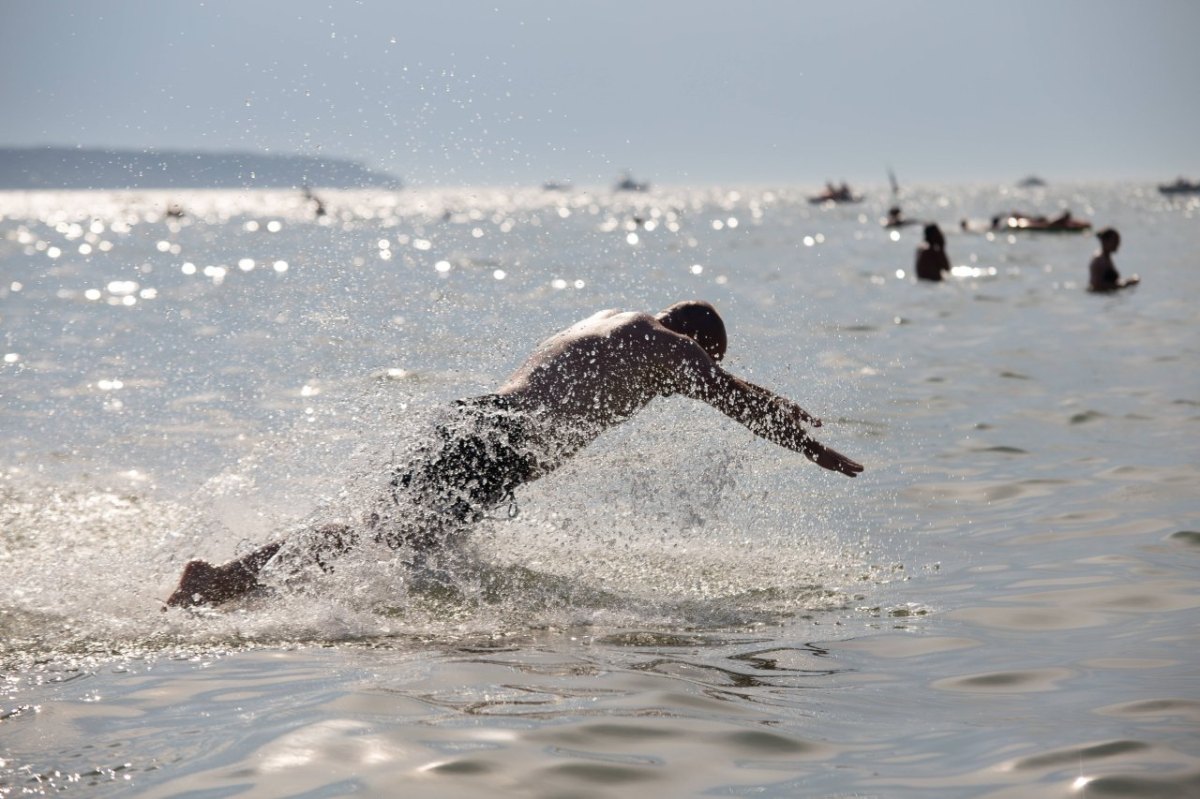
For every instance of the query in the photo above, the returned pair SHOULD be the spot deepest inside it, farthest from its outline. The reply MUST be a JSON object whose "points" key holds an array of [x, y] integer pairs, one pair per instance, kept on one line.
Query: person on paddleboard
{"points": [[576, 384]]}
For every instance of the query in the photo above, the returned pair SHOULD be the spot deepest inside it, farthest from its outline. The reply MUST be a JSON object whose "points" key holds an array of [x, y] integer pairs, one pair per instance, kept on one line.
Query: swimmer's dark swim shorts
{"points": [[477, 459]]}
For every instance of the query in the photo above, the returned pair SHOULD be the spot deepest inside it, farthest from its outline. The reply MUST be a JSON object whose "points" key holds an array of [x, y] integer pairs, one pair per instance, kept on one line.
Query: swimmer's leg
{"points": [[205, 584]]}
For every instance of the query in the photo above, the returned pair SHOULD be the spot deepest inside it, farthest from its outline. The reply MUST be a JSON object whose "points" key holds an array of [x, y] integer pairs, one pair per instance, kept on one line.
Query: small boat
{"points": [[555, 185], [1031, 182], [627, 183], [1180, 186], [837, 196], [1038, 224], [897, 219]]}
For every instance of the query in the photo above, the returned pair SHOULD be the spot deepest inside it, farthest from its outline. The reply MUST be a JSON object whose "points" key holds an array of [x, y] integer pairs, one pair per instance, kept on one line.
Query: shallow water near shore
{"points": [[1003, 605]]}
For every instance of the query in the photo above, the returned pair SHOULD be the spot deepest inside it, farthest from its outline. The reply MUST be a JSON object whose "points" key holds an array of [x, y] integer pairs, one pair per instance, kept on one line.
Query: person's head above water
{"points": [[934, 237], [699, 321], [1110, 239]]}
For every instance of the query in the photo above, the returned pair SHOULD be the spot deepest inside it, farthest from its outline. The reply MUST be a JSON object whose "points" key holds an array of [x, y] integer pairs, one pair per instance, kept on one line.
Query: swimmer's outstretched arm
{"points": [[764, 413]]}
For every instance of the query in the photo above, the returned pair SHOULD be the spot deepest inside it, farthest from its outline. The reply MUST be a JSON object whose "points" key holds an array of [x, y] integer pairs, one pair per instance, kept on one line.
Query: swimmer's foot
{"points": [[205, 584]]}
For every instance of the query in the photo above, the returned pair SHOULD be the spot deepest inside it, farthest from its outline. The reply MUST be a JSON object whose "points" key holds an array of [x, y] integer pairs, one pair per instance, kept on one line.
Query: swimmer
{"points": [[576, 384], [931, 255], [1102, 275], [895, 218]]}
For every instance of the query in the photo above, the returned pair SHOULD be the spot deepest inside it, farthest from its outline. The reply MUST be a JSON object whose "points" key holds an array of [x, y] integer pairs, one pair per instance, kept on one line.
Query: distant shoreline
{"points": [[42, 168]]}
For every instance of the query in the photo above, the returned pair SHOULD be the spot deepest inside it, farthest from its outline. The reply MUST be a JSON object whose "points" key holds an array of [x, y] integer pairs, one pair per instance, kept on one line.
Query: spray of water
{"points": [[688, 536]]}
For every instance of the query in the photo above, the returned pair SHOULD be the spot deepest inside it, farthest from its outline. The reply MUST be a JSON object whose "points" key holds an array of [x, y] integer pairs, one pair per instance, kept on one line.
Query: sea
{"points": [[1003, 605]]}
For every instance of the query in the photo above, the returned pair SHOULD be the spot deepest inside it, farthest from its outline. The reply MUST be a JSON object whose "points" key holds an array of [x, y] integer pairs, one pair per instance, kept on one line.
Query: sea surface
{"points": [[1004, 604]]}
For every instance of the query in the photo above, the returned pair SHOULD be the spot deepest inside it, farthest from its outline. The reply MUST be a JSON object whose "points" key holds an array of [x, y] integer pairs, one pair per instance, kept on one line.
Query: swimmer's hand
{"points": [[830, 459]]}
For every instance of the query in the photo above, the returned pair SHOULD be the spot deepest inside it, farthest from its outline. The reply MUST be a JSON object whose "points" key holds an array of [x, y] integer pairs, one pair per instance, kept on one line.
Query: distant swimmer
{"points": [[931, 255], [895, 218], [1102, 275], [576, 384]]}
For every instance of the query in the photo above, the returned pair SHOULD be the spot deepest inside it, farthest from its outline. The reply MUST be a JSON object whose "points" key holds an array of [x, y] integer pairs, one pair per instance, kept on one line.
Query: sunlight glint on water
{"points": [[1002, 605]]}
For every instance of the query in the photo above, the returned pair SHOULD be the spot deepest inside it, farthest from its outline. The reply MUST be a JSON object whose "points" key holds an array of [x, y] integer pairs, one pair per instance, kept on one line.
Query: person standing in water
{"points": [[578, 383], [1102, 275], [931, 255]]}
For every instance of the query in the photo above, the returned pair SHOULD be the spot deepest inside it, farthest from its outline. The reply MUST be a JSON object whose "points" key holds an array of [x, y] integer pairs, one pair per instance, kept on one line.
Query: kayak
{"points": [[1014, 225], [837, 199]]}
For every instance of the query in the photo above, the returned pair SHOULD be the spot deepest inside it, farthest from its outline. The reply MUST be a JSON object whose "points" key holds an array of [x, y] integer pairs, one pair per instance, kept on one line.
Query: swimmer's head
{"points": [[934, 237], [1110, 239], [700, 322]]}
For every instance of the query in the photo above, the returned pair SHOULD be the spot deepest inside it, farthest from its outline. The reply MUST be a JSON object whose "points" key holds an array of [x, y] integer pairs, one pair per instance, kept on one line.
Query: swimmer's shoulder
{"points": [[615, 317], [616, 322]]}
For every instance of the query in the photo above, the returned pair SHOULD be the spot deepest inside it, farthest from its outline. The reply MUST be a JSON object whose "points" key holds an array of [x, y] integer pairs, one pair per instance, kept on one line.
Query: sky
{"points": [[519, 92]]}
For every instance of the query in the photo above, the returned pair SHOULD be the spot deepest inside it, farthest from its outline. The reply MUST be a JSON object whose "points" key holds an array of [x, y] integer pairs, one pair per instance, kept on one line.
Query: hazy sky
{"points": [[679, 91]]}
